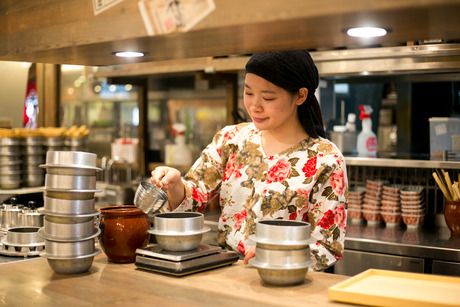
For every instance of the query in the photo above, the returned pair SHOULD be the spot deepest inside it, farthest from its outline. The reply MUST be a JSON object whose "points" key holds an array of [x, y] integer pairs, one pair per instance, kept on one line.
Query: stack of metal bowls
{"points": [[179, 231], [282, 251], [10, 162], [70, 227], [34, 157]]}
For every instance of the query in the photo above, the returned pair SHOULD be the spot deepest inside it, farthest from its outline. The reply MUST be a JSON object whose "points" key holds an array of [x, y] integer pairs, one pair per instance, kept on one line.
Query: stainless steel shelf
{"points": [[22, 191], [403, 163]]}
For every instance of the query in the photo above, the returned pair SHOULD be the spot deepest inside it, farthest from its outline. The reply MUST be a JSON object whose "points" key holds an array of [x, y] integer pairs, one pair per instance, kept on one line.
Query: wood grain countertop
{"points": [[34, 283]]}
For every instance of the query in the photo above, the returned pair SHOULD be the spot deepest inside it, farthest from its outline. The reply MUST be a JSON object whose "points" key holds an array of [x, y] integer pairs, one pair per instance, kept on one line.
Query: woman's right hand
{"points": [[169, 180], [165, 177]]}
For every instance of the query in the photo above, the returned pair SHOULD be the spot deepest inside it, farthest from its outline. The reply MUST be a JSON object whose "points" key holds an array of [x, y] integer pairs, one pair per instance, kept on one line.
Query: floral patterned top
{"points": [[306, 182]]}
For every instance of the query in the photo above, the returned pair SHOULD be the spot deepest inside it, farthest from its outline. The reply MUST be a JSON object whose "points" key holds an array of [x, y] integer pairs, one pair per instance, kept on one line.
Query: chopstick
{"points": [[442, 186], [450, 190], [449, 184]]}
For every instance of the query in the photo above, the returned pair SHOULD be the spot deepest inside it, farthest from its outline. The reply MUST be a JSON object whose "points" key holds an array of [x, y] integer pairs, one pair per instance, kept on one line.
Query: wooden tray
{"points": [[392, 288]]}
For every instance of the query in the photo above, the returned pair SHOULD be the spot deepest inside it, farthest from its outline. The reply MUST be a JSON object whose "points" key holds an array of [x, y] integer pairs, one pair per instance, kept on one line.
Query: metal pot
{"points": [[70, 194], [71, 265], [69, 207], [31, 218], [69, 231], [69, 249], [70, 182], [23, 236], [291, 234], [10, 180], [10, 217]]}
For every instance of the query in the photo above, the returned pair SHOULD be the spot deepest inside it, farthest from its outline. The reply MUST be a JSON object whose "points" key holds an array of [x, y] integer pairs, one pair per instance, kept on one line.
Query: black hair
{"points": [[293, 70]]}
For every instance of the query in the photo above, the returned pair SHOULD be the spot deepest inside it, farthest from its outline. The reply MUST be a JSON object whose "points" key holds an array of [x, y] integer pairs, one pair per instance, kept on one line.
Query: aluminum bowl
{"points": [[55, 249], [31, 218], [178, 223], [10, 181], [34, 179], [280, 276], [69, 231], [70, 194], [283, 258], [70, 182], [32, 140], [33, 150], [10, 151], [177, 242], [23, 236], [71, 158], [65, 206], [73, 265], [54, 141], [70, 170], [294, 234], [10, 217], [6, 141], [69, 218]]}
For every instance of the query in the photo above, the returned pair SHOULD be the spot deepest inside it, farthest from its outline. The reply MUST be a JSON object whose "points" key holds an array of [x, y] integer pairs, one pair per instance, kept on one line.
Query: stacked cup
{"points": [[283, 253], [10, 161], [34, 156], [69, 226]]}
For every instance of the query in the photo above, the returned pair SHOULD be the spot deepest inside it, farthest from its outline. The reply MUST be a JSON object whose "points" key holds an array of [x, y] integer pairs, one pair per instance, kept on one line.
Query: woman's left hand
{"points": [[250, 253]]}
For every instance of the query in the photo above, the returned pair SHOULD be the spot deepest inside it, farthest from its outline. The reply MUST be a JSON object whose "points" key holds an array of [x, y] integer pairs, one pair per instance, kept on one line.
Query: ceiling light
{"points": [[129, 54], [366, 32]]}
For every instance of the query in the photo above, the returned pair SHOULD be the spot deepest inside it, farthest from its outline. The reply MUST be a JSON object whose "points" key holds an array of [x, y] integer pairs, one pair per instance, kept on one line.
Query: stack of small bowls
{"points": [[372, 202], [34, 157], [391, 205], [10, 162], [413, 206], [69, 226], [179, 231], [282, 251], [355, 201]]}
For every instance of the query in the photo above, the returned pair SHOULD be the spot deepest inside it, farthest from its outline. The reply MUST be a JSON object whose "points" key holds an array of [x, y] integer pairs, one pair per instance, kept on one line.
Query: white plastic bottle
{"points": [[367, 140], [178, 154]]}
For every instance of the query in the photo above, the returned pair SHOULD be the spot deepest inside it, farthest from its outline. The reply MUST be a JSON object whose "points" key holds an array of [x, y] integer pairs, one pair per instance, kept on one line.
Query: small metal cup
{"points": [[149, 198]]}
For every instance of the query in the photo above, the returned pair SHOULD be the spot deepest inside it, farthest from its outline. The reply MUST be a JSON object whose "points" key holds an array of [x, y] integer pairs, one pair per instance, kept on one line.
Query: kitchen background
{"points": [[118, 109]]}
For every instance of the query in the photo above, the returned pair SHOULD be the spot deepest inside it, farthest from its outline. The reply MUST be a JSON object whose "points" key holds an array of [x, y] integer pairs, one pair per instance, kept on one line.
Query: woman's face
{"points": [[270, 107]]}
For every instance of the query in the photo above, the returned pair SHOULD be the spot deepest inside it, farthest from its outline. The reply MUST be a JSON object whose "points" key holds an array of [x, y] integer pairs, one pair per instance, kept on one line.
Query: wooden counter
{"points": [[33, 283]]}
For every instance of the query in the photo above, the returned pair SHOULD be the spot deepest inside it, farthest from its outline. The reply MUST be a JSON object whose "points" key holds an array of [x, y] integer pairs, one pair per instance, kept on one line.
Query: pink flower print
{"points": [[293, 216], [239, 218], [198, 196], [340, 216], [229, 135], [337, 182], [279, 172], [309, 168], [327, 220], [241, 249], [231, 168]]}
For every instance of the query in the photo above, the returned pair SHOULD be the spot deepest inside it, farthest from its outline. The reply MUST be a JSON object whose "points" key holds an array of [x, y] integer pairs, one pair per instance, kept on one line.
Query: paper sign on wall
{"points": [[102, 5], [167, 16]]}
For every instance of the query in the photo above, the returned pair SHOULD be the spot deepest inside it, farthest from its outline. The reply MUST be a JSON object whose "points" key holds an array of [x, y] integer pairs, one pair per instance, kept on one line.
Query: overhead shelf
{"points": [[404, 163]]}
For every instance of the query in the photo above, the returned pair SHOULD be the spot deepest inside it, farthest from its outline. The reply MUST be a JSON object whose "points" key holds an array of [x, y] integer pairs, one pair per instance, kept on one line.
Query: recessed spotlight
{"points": [[129, 54], [366, 32]]}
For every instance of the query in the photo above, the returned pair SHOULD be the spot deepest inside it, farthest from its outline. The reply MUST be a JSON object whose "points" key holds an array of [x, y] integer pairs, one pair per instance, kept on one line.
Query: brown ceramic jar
{"points": [[452, 216], [123, 230]]}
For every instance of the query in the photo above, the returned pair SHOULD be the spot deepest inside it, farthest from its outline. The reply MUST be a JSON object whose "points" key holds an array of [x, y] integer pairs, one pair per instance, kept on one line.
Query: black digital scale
{"points": [[204, 257]]}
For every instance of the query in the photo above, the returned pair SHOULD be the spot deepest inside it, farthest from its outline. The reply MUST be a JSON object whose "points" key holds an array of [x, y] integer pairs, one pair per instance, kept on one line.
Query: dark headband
{"points": [[290, 70]]}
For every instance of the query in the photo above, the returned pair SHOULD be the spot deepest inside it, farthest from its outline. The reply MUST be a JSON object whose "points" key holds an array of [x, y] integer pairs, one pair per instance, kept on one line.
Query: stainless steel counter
{"points": [[425, 250], [434, 243]]}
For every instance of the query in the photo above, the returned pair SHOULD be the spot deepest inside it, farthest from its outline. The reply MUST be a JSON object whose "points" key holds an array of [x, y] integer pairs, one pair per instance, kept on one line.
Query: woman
{"points": [[280, 166]]}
